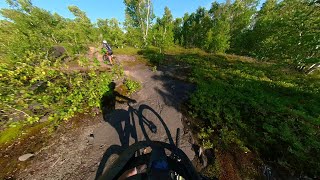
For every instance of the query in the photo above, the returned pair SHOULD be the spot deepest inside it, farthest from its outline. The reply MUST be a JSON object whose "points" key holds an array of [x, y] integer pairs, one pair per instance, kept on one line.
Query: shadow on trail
{"points": [[174, 92], [117, 117], [173, 75]]}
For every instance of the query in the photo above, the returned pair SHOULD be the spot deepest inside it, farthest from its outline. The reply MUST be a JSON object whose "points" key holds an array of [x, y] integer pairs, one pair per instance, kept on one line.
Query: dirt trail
{"points": [[83, 152]]}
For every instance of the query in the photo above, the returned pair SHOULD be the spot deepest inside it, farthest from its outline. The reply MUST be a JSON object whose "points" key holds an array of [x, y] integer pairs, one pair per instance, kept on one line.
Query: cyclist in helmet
{"points": [[107, 47]]}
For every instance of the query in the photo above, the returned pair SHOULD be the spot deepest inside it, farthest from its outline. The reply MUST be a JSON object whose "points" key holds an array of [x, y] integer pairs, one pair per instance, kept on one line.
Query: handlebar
{"points": [[127, 160]]}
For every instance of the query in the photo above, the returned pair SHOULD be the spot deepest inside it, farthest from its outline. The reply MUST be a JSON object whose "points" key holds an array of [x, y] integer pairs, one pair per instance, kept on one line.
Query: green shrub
{"points": [[264, 107], [212, 171], [132, 86], [35, 87], [152, 55], [154, 69], [103, 51], [33, 83], [117, 70]]}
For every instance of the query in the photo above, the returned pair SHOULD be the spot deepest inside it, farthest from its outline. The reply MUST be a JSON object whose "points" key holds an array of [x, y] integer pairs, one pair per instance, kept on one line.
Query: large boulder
{"points": [[57, 51]]}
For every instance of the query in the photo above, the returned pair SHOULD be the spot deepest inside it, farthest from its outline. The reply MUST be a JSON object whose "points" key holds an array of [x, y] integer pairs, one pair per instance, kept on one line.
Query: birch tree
{"points": [[139, 14]]}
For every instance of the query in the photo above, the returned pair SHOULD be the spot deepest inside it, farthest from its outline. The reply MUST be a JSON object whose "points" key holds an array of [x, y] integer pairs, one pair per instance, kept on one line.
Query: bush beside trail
{"points": [[34, 44], [260, 107]]}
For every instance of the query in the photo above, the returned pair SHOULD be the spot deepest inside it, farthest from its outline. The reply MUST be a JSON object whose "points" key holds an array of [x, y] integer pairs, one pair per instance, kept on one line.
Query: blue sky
{"points": [[115, 8]]}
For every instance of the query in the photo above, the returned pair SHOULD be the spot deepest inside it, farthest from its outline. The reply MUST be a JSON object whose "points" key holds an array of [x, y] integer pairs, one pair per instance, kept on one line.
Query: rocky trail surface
{"points": [[84, 150]]}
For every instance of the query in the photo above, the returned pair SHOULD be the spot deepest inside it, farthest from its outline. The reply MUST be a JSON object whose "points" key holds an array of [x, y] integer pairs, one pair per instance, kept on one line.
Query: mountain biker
{"points": [[107, 47]]}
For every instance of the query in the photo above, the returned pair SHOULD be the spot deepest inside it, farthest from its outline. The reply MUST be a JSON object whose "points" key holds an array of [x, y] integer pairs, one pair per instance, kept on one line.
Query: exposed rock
{"points": [[44, 119], [90, 139], [204, 160], [200, 152], [25, 157]]}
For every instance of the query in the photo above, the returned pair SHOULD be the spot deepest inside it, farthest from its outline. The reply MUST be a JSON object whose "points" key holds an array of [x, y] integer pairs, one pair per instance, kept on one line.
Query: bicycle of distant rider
{"points": [[105, 57]]}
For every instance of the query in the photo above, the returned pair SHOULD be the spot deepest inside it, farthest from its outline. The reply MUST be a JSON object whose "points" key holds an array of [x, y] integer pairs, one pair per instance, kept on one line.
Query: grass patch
{"points": [[9, 134], [25, 139], [21, 131], [178, 50]]}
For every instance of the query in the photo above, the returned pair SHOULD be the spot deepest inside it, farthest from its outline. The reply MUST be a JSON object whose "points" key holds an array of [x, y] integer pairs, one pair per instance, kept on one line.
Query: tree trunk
{"points": [[147, 25]]}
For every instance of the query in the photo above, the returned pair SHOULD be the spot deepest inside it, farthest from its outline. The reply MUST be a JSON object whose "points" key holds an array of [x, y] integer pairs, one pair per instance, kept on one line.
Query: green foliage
{"points": [[10, 133], [205, 136], [103, 51], [153, 55], [260, 107], [34, 84], [81, 16], [212, 170], [285, 30], [209, 30], [35, 87], [132, 85], [139, 15], [29, 28], [117, 70], [177, 31], [154, 69], [218, 36], [162, 32], [110, 30], [134, 38], [241, 13]]}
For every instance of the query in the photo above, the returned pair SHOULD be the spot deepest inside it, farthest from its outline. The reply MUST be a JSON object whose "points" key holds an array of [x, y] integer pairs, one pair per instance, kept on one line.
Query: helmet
{"points": [[104, 41]]}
